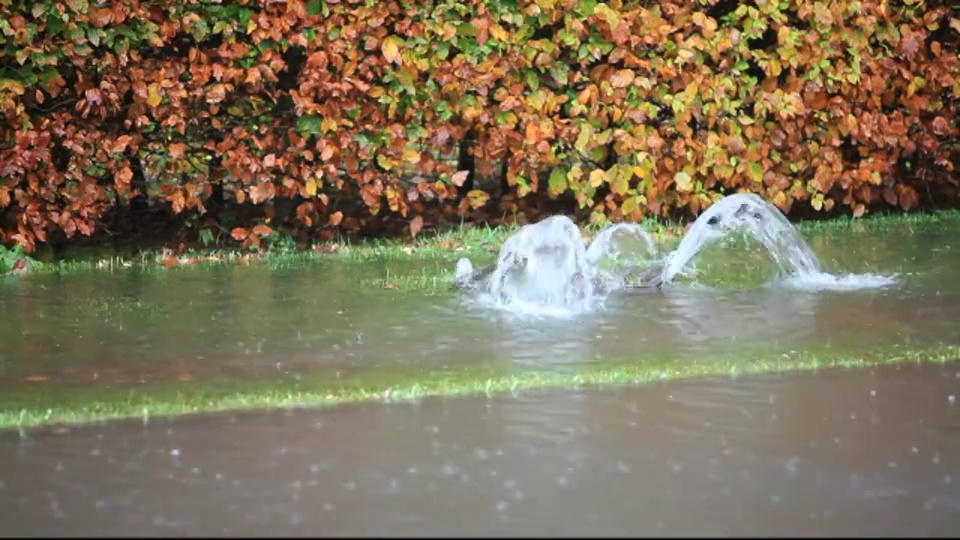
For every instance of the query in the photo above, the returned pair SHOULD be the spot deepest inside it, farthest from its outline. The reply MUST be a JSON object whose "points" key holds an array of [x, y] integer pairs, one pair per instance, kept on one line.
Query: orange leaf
{"points": [[177, 150], [239, 233], [908, 197], [335, 218], [415, 225], [621, 78], [124, 175], [262, 231], [391, 49], [169, 262]]}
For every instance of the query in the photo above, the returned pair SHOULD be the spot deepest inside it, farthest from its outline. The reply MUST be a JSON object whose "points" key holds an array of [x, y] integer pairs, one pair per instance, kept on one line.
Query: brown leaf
{"points": [[335, 218], [890, 196], [621, 78], [908, 197], [261, 192], [177, 150], [262, 231], [239, 233], [124, 175], [415, 225]]}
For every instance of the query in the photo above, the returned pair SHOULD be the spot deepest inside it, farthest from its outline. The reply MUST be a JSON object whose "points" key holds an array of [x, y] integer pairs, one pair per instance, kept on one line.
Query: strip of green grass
{"points": [[31, 408], [448, 245]]}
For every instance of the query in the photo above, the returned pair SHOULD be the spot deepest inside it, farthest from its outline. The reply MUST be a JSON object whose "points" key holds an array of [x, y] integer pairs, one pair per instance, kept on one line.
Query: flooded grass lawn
{"points": [[869, 452], [87, 346]]}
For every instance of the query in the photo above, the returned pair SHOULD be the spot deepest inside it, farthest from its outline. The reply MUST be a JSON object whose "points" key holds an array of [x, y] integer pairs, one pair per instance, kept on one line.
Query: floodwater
{"points": [[231, 323], [867, 452], [874, 451]]}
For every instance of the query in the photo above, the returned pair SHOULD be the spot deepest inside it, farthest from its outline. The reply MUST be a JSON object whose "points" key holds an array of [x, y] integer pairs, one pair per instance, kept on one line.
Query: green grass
{"points": [[465, 241], [32, 407]]}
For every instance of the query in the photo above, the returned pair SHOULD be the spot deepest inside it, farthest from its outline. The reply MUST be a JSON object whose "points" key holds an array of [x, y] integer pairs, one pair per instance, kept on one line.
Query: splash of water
{"points": [[796, 263], [544, 263], [620, 251], [547, 268], [761, 219]]}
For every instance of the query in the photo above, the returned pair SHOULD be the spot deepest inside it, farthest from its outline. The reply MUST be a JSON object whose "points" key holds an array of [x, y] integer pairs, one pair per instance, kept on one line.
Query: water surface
{"points": [[229, 323], [864, 452]]}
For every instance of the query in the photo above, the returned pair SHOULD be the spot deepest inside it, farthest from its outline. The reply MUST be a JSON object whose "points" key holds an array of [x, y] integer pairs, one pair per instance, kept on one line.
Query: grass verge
{"points": [[58, 406]]}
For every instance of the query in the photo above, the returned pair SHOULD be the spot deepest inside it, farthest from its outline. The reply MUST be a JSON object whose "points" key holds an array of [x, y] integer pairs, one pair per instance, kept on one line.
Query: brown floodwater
{"points": [[859, 452]]}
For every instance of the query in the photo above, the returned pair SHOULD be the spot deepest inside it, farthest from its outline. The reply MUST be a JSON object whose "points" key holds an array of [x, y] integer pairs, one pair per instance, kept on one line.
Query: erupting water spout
{"points": [[547, 264]]}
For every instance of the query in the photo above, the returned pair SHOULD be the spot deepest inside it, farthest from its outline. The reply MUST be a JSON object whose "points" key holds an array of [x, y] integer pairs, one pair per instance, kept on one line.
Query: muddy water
{"points": [[869, 452], [252, 322]]}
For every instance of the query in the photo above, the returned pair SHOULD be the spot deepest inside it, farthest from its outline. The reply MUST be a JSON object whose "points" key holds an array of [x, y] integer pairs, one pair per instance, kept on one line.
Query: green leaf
{"points": [[586, 7], [558, 181], [755, 171], [308, 125]]}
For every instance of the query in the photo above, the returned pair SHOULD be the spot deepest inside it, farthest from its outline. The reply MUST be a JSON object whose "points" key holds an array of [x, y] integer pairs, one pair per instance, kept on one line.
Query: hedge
{"points": [[343, 115]]}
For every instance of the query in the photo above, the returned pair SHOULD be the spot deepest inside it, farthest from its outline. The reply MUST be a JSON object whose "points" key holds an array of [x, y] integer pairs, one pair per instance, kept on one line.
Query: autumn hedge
{"points": [[318, 115]]}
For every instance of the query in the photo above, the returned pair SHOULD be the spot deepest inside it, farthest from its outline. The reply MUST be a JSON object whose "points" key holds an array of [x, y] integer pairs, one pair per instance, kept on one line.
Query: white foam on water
{"points": [[823, 281]]}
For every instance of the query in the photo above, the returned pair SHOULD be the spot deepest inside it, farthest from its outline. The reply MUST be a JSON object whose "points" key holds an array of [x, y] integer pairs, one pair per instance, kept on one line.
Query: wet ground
{"points": [[865, 452]]}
